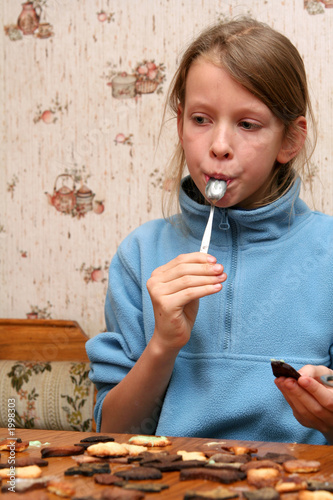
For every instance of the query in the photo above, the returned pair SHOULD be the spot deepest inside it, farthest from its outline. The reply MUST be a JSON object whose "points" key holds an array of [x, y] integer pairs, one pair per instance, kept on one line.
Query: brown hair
{"points": [[267, 64]]}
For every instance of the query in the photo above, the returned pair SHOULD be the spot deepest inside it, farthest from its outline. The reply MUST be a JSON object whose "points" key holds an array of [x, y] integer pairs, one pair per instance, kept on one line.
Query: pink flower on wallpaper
{"points": [[102, 16], [93, 274], [149, 76], [98, 207], [48, 117], [50, 114], [149, 69], [40, 313], [122, 139], [97, 275]]}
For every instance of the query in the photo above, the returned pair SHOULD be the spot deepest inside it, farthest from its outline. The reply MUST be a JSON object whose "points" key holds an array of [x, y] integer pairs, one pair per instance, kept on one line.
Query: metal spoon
{"points": [[215, 190], [327, 380]]}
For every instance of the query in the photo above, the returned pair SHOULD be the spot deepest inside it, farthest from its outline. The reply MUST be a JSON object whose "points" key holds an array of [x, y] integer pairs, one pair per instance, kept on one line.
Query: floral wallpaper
{"points": [[83, 88]]}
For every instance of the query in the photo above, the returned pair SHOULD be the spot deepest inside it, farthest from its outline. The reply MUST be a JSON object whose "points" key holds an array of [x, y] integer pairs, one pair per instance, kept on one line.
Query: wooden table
{"points": [[86, 486]]}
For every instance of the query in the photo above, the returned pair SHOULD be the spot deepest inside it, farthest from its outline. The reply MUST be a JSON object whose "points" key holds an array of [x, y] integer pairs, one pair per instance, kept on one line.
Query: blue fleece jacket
{"points": [[276, 303]]}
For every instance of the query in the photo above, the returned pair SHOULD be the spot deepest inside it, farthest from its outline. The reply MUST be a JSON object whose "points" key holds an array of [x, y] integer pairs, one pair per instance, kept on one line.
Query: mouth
{"points": [[217, 177]]}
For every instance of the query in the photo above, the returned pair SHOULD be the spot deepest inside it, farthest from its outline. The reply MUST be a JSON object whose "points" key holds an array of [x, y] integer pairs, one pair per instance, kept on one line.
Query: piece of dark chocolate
{"points": [[221, 475], [61, 451], [88, 469], [277, 457], [166, 466], [229, 458], [97, 439], [282, 369], [139, 473]]}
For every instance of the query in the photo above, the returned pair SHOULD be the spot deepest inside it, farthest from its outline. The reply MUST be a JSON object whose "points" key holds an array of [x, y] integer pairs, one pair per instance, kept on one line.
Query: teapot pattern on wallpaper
{"points": [[68, 199], [30, 22]]}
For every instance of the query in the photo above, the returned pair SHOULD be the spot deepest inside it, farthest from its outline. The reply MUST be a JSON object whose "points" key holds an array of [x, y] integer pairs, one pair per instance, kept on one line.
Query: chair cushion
{"points": [[55, 395]]}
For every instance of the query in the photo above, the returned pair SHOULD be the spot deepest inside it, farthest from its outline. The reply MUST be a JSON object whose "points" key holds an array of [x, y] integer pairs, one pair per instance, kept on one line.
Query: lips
{"points": [[218, 177]]}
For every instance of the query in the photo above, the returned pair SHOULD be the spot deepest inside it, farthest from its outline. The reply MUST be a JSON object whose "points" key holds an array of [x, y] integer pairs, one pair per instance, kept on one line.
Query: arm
{"points": [[134, 404], [175, 290], [310, 400]]}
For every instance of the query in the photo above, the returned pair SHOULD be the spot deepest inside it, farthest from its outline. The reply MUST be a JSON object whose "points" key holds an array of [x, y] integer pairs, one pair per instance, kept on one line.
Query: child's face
{"points": [[228, 133]]}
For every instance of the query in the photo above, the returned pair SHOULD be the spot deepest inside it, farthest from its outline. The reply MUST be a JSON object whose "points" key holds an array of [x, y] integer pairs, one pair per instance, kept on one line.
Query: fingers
{"points": [[190, 281], [321, 393], [193, 263], [175, 289], [193, 275], [311, 402], [315, 371]]}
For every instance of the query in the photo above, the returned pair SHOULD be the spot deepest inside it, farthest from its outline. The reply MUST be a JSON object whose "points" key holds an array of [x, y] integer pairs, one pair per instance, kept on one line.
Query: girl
{"points": [[191, 335]]}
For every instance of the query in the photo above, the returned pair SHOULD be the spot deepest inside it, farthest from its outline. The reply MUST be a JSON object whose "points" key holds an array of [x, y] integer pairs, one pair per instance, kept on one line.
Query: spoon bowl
{"points": [[215, 190]]}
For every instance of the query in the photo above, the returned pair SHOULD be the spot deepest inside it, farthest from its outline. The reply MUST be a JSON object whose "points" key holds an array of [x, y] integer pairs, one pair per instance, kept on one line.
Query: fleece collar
{"points": [[267, 223]]}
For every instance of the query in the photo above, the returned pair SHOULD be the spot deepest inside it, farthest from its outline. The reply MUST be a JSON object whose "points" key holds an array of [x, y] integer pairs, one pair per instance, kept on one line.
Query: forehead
{"points": [[209, 82]]}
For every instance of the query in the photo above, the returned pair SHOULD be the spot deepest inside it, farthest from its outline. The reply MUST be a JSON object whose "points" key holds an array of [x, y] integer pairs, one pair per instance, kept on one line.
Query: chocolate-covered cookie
{"points": [[282, 369]]}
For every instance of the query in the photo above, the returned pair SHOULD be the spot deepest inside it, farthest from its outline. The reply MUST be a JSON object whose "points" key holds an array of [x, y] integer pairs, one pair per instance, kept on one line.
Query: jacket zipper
{"points": [[231, 279]]}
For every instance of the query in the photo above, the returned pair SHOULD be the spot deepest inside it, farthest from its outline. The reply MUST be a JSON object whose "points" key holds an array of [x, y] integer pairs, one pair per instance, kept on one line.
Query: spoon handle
{"points": [[208, 231], [327, 380]]}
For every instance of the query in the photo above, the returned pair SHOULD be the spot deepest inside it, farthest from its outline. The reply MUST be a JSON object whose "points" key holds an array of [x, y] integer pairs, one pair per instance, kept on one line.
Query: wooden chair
{"points": [[44, 367]]}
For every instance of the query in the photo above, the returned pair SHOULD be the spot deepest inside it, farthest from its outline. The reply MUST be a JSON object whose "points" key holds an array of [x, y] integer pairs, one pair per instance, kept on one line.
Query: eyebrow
{"points": [[245, 109]]}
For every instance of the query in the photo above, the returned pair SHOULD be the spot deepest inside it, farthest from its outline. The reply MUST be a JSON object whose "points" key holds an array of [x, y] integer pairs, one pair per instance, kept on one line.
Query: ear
{"points": [[180, 118], [293, 140]]}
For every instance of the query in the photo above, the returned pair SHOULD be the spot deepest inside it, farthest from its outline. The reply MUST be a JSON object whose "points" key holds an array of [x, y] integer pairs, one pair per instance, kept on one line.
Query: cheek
{"points": [[260, 156], [191, 148], [270, 145]]}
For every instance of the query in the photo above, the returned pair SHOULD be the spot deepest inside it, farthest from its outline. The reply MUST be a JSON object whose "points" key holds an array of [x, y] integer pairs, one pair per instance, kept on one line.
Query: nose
{"points": [[221, 146]]}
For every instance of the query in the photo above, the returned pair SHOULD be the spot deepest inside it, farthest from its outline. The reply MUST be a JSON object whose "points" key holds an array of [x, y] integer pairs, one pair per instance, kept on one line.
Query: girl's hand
{"points": [[310, 400], [175, 290]]}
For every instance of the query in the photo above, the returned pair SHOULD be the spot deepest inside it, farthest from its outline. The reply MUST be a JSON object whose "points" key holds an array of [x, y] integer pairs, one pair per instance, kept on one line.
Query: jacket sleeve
{"points": [[113, 353]]}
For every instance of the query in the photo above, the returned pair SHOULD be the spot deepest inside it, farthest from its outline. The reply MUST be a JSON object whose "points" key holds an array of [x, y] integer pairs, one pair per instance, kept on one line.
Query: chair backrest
{"points": [[42, 340], [44, 371]]}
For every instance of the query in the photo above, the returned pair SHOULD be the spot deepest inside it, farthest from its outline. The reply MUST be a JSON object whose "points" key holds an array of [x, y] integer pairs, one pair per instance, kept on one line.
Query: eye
{"points": [[199, 120], [246, 125]]}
